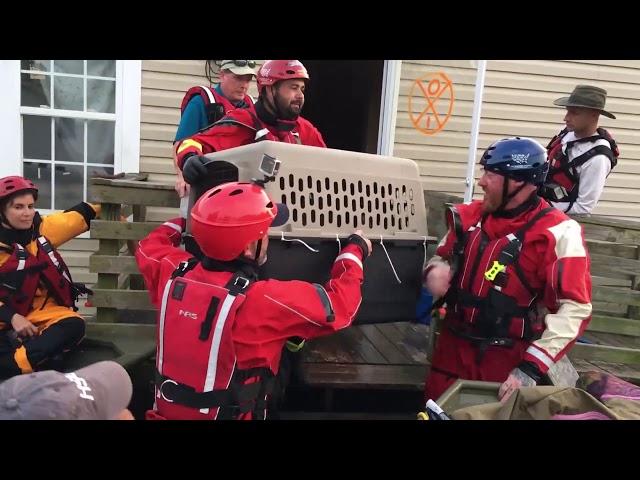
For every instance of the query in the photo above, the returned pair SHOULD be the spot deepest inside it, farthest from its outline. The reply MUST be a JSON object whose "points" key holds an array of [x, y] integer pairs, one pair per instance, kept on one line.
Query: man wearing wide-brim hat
{"points": [[582, 155]]}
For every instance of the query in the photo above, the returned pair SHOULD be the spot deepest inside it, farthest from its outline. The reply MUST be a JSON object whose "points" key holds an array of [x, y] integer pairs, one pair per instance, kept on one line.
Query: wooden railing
{"points": [[119, 286], [613, 246]]}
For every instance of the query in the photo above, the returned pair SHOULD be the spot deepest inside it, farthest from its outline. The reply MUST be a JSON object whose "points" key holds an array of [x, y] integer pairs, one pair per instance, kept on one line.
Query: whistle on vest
{"points": [[495, 269]]}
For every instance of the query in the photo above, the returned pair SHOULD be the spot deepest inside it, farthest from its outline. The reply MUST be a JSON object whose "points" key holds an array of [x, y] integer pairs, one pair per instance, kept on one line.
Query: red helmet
{"points": [[13, 184], [228, 217], [273, 71]]}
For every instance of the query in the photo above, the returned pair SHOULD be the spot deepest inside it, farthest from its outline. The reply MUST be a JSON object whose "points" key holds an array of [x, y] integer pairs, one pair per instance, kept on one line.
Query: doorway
{"points": [[343, 102]]}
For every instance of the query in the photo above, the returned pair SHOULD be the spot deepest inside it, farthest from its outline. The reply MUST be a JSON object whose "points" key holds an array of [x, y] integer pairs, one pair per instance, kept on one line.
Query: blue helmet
{"points": [[520, 158]]}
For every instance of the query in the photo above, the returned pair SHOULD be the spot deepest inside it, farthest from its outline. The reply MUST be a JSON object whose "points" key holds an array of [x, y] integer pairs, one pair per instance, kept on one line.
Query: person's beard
{"points": [[288, 111], [490, 203]]}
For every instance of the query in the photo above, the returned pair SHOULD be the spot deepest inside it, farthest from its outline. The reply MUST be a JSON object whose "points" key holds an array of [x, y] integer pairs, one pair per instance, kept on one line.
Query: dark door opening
{"points": [[343, 102]]}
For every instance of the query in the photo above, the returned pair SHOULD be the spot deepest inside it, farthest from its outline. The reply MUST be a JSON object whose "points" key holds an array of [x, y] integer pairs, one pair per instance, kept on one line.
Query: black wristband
{"points": [[532, 370], [360, 242], [84, 209]]}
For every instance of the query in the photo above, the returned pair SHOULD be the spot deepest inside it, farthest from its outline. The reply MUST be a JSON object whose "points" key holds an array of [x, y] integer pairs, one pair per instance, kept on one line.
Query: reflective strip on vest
{"points": [[212, 366], [47, 248], [22, 257], [212, 99], [163, 313]]}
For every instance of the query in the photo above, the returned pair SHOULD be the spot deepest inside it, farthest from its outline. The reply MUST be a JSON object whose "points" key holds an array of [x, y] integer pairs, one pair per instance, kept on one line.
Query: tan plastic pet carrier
{"points": [[330, 193]]}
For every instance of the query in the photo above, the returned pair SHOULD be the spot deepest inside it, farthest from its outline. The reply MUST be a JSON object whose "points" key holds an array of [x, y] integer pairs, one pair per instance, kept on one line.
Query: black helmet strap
{"points": [[258, 249], [506, 197]]}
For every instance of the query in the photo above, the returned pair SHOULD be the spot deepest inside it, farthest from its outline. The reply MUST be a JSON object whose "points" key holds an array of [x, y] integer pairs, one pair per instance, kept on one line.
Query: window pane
{"points": [[42, 65], [68, 93], [101, 68], [101, 96], [69, 140], [35, 90], [40, 174], [69, 66], [100, 141], [93, 171], [36, 137], [69, 186]]}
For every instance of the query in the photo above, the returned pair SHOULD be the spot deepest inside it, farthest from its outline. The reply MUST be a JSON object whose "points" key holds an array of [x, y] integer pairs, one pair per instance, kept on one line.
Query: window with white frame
{"points": [[74, 119]]}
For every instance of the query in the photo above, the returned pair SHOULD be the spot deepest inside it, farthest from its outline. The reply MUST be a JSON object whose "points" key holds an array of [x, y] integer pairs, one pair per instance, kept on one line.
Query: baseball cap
{"points": [[239, 67], [97, 392]]}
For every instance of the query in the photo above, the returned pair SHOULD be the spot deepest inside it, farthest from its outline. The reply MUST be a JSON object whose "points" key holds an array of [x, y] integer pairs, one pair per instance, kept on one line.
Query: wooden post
{"points": [[633, 311], [110, 211], [136, 282]]}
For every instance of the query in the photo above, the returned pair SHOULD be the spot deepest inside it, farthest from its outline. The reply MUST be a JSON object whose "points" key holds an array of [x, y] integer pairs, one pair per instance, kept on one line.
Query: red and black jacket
{"points": [[563, 181], [216, 105], [22, 273], [491, 300]]}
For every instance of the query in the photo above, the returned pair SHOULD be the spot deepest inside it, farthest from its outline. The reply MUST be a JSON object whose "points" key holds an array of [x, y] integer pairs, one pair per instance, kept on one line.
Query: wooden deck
{"points": [[366, 358], [626, 371], [393, 356], [381, 356]]}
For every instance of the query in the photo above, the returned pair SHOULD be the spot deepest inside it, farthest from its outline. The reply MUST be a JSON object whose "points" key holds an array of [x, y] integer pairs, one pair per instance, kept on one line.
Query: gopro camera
{"points": [[269, 165]]}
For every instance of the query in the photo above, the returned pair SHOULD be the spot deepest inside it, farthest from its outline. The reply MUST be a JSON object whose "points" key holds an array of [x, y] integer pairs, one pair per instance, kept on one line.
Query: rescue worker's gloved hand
{"points": [[194, 169], [358, 238], [525, 375], [437, 278]]}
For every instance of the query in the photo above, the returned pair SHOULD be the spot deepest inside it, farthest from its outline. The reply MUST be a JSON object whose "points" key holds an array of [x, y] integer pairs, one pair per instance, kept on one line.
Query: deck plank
{"points": [[340, 375], [391, 351], [331, 349]]}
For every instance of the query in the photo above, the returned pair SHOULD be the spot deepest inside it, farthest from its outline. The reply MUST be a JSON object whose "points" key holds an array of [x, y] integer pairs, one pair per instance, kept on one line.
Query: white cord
{"points": [[339, 244], [424, 245], [298, 240], [389, 258]]}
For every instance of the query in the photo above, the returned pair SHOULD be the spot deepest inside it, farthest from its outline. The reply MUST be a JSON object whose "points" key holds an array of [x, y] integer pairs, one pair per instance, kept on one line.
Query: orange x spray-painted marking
{"points": [[431, 102]]}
